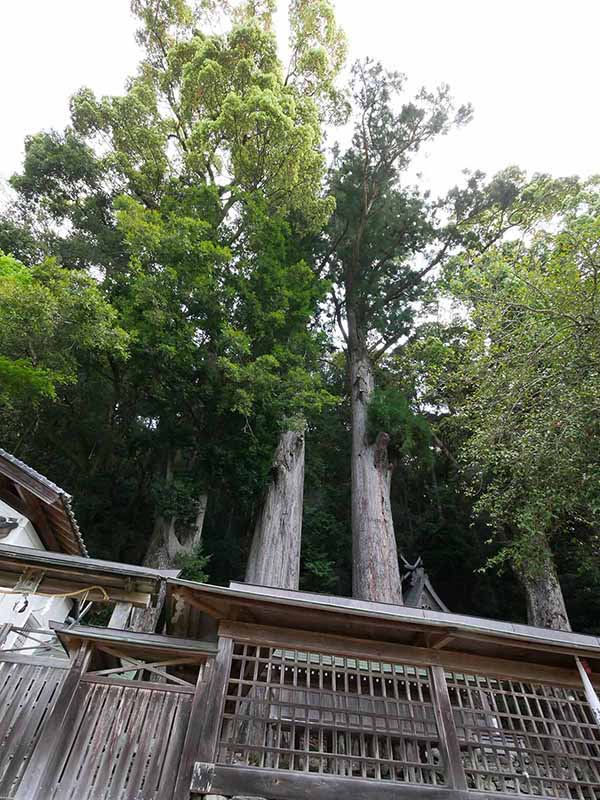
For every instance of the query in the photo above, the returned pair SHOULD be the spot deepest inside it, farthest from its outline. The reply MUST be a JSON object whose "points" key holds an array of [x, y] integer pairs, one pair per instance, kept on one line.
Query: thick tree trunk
{"points": [[376, 573], [168, 542], [545, 601], [274, 558]]}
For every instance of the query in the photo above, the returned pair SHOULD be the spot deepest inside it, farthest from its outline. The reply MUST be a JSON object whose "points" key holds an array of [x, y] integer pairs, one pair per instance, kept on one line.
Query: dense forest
{"points": [[209, 311]]}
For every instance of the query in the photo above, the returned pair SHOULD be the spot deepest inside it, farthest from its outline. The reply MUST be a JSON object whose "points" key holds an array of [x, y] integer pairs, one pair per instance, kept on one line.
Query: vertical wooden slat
{"points": [[4, 631], [115, 741], [144, 748], [136, 730], [449, 743], [77, 740], [34, 707], [38, 778], [172, 758]]}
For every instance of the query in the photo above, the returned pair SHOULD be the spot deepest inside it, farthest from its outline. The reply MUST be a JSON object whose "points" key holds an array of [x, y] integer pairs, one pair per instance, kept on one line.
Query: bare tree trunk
{"points": [[168, 541], [545, 602], [376, 573], [274, 558]]}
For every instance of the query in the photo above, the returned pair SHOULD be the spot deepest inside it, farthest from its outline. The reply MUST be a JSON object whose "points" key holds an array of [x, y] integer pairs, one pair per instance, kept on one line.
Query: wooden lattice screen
{"points": [[126, 742], [331, 715], [525, 738], [27, 694]]}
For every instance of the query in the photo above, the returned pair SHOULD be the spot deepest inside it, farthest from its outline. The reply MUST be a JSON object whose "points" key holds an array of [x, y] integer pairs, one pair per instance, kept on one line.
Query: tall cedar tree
{"points": [[382, 241]]}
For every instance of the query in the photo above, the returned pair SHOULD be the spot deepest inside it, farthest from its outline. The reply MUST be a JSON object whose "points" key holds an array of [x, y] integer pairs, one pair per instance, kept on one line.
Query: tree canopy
{"points": [[189, 271]]}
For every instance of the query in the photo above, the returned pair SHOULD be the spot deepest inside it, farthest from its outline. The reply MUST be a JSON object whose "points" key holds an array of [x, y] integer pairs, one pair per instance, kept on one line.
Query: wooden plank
{"points": [[193, 735], [75, 741], [160, 745], [206, 716], [144, 749], [23, 478], [132, 641], [34, 707], [5, 629], [89, 751], [383, 651], [283, 785], [448, 736], [136, 730], [8, 657], [174, 756], [215, 779], [115, 738], [64, 715], [110, 681], [218, 689], [120, 615], [51, 586]]}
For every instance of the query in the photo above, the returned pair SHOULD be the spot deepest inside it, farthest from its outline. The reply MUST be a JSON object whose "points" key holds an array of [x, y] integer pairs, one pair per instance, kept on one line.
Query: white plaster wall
{"points": [[13, 608]]}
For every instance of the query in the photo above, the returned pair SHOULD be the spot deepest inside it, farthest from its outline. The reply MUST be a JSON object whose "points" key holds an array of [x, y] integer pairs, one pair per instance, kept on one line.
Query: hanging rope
{"points": [[62, 595]]}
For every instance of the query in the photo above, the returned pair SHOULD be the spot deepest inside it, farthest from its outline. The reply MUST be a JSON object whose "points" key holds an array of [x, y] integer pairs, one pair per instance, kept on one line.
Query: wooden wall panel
{"points": [[27, 695]]}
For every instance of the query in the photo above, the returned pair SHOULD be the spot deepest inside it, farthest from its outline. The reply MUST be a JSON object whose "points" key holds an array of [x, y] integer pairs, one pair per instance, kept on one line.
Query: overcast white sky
{"points": [[529, 67]]}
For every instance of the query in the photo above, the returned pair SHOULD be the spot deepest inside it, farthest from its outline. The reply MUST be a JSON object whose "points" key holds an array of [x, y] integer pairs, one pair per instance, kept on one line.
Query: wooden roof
{"points": [[133, 642], [46, 505], [65, 573], [384, 622]]}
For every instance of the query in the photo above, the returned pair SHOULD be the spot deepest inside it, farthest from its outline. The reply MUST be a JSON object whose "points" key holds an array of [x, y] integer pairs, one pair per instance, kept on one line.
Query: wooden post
{"points": [[4, 631], [120, 615], [38, 776], [449, 744], [202, 737]]}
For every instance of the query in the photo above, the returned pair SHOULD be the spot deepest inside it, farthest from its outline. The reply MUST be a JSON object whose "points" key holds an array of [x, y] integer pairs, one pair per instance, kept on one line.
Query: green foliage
{"points": [[50, 320], [193, 566], [391, 412], [532, 363]]}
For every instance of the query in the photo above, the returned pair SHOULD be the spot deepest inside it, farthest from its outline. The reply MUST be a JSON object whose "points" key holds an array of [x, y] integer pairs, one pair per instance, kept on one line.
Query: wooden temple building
{"points": [[190, 690]]}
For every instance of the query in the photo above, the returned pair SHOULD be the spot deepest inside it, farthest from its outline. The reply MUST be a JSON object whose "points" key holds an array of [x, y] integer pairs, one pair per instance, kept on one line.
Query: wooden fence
{"points": [[305, 714], [285, 715], [72, 731], [27, 695]]}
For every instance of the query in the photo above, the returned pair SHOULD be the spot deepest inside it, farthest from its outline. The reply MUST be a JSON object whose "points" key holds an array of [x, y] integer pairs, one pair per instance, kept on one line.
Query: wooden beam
{"points": [[211, 729], [193, 736], [132, 641], [439, 641], [23, 478], [51, 587], [384, 651], [215, 779], [120, 615], [449, 743]]}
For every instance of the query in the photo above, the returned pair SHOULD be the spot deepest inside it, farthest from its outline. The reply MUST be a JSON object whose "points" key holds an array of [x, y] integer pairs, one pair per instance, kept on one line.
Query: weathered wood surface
{"points": [[386, 622], [63, 573], [215, 779], [332, 643], [125, 743], [274, 558], [27, 695], [133, 641]]}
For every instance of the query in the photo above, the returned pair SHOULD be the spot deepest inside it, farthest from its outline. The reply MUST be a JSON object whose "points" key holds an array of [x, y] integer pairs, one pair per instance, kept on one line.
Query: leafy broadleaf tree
{"points": [[532, 372], [189, 198]]}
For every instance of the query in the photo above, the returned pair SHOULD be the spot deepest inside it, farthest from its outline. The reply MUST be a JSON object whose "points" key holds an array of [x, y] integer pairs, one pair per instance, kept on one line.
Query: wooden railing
{"points": [[309, 714], [70, 728], [284, 715]]}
